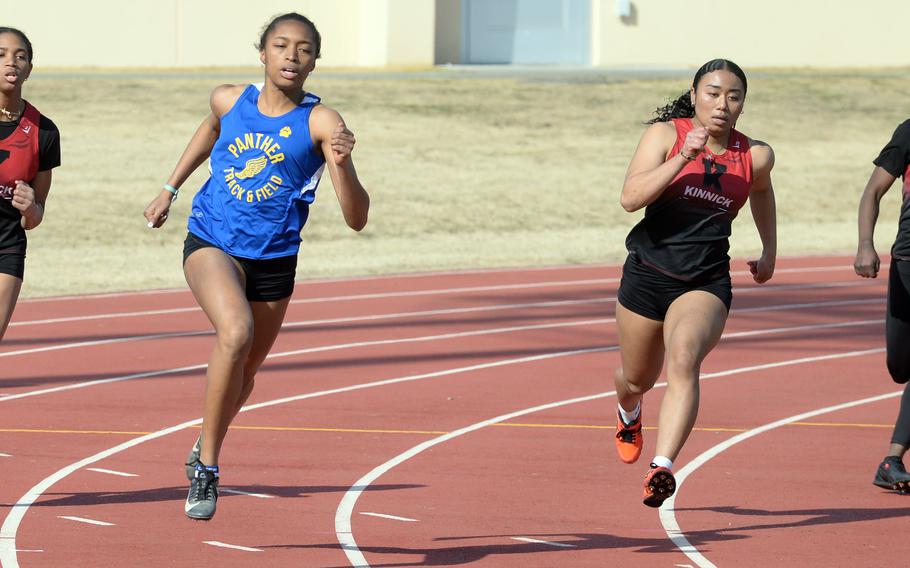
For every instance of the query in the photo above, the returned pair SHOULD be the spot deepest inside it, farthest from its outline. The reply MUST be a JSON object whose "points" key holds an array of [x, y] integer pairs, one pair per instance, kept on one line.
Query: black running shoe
{"points": [[892, 475], [200, 502], [659, 486], [193, 458]]}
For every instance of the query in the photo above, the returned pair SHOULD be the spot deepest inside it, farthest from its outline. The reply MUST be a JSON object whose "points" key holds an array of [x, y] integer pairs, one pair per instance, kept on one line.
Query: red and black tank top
{"points": [[19, 160], [685, 232]]}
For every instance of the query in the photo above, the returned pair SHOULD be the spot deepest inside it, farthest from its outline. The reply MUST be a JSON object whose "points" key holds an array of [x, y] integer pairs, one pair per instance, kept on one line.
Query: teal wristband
{"points": [[170, 188]]}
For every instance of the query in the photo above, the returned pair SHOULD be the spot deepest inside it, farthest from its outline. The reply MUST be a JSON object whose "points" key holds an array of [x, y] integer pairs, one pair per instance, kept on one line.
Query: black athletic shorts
{"points": [[12, 263], [267, 280], [649, 292]]}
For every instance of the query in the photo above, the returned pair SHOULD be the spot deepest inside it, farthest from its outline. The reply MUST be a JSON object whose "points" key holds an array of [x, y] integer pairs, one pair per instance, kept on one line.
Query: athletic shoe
{"points": [[892, 475], [659, 486], [193, 458], [628, 439], [200, 501]]}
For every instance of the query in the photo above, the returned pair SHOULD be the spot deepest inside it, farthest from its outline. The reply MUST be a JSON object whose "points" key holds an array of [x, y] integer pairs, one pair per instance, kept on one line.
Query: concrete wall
{"points": [[192, 33], [778, 33], [409, 33]]}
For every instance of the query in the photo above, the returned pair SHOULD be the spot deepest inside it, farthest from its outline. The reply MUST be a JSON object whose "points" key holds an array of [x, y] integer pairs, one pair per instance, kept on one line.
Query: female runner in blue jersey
{"points": [[267, 145]]}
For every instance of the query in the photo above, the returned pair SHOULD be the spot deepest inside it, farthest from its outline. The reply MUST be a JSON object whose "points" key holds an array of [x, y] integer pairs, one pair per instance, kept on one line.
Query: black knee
{"points": [[899, 368]]}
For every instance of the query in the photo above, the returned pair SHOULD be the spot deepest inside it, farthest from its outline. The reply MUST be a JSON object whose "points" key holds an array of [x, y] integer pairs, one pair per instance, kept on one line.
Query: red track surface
{"points": [[103, 382]]}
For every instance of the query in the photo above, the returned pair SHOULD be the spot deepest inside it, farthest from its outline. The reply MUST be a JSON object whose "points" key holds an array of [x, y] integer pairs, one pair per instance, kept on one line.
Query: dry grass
{"points": [[463, 171]]}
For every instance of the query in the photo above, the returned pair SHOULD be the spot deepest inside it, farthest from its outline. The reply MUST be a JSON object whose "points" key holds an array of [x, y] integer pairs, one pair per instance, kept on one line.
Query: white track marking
{"points": [[308, 350], [343, 529], [231, 546], [86, 521], [546, 542], [2, 455], [112, 472], [309, 323], [398, 315], [390, 517], [351, 297], [393, 276], [398, 276], [97, 342], [441, 291], [830, 304], [667, 512], [333, 347], [14, 518], [247, 493]]}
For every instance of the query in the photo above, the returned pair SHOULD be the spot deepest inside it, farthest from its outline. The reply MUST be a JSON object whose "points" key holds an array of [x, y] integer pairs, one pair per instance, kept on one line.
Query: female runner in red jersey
{"points": [[692, 171], [29, 150]]}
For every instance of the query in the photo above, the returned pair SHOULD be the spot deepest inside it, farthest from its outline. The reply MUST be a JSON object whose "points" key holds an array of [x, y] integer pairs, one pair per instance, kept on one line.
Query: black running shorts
{"points": [[13, 264], [649, 292], [267, 280]]}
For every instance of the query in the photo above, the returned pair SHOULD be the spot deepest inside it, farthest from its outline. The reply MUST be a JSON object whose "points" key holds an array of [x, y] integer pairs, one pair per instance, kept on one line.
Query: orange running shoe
{"points": [[659, 486], [628, 439]]}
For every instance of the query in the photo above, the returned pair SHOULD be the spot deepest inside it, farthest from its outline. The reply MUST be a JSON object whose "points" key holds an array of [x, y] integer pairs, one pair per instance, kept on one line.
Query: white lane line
{"points": [[811, 305], [198, 367], [29, 550], [112, 472], [333, 347], [87, 521], [390, 276], [443, 291], [308, 323], [343, 528], [11, 523], [374, 296], [423, 313], [546, 542], [247, 493], [668, 512], [391, 517], [2, 455], [231, 546], [17, 512]]}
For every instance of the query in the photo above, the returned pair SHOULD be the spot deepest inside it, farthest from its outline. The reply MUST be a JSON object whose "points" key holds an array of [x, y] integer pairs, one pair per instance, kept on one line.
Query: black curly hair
{"points": [[21, 34], [293, 17], [681, 107]]}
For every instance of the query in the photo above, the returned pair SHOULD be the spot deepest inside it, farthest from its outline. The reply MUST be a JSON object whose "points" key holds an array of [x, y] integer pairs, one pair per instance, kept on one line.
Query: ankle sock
{"points": [[628, 417], [662, 461]]}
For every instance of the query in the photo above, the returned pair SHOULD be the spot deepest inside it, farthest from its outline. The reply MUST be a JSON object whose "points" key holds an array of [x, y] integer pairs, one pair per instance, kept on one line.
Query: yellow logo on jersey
{"points": [[285, 132], [252, 167]]}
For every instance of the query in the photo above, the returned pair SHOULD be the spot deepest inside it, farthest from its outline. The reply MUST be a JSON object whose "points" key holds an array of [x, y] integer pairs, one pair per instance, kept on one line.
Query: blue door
{"points": [[526, 31]]}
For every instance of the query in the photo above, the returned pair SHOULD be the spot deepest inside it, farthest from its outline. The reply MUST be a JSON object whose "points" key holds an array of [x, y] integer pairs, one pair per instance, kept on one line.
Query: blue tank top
{"points": [[264, 174]]}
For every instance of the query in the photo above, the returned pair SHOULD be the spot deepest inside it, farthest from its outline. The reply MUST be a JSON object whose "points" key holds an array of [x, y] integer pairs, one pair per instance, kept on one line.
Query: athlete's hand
{"points": [[762, 269], [695, 141], [342, 143], [867, 262], [156, 212], [24, 198]]}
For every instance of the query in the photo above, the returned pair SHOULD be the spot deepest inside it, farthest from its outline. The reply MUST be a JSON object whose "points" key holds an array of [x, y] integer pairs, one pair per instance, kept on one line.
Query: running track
{"points": [[457, 419]]}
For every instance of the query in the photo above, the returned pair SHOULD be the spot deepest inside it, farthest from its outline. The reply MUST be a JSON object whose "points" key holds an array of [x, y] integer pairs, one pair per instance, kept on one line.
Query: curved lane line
{"points": [[17, 512], [668, 513], [343, 530]]}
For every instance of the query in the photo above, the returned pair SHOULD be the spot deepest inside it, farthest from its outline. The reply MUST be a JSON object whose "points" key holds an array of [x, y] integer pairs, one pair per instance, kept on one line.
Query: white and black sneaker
{"points": [[193, 458], [200, 502]]}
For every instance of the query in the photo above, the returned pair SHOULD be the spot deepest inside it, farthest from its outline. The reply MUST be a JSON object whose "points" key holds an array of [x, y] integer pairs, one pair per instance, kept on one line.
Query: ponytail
{"points": [[682, 107], [679, 108]]}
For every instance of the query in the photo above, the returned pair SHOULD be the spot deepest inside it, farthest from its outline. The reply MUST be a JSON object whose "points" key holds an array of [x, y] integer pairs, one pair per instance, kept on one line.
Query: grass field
{"points": [[464, 170]]}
